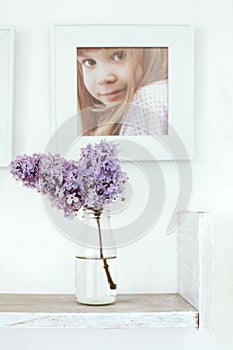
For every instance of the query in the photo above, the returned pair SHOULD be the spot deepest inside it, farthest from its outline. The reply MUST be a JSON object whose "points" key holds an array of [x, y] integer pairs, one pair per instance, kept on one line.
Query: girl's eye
{"points": [[89, 62], [118, 55]]}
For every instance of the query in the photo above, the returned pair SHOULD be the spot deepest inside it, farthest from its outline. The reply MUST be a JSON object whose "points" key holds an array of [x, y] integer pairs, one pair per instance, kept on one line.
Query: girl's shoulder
{"points": [[152, 94], [147, 113], [154, 87]]}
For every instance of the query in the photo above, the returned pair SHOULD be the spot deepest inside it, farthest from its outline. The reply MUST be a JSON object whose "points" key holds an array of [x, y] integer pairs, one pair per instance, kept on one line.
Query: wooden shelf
{"points": [[129, 311]]}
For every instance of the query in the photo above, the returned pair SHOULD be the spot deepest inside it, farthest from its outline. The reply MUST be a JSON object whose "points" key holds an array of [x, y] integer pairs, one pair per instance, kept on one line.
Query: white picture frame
{"points": [[6, 94], [66, 38]]}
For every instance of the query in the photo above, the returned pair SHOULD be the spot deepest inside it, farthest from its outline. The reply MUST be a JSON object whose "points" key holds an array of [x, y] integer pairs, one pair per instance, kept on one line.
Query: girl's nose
{"points": [[106, 77]]}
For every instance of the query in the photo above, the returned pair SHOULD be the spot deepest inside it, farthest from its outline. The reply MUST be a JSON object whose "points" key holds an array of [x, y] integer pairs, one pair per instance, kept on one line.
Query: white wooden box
{"points": [[189, 307]]}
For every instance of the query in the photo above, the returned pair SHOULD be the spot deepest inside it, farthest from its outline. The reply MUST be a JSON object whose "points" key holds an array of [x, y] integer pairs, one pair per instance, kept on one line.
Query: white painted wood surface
{"points": [[195, 271], [62, 311]]}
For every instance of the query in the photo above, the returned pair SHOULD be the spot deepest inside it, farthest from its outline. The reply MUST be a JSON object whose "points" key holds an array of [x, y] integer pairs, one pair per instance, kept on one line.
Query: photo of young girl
{"points": [[123, 91]]}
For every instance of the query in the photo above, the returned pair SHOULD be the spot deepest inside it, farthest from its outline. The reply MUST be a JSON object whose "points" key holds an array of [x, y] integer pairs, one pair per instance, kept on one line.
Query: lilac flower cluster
{"points": [[59, 180], [53, 176], [97, 179], [26, 169], [103, 180]]}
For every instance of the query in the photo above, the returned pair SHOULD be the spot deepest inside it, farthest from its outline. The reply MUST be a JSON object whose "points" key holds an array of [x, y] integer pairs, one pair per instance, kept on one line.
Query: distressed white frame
{"points": [[177, 38], [6, 93]]}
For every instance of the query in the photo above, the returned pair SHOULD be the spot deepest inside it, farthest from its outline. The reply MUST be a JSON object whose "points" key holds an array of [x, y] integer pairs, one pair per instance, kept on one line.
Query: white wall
{"points": [[34, 257]]}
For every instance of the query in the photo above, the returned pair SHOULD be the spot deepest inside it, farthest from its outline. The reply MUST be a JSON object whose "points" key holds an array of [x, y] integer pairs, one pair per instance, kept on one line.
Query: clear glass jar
{"points": [[94, 280]]}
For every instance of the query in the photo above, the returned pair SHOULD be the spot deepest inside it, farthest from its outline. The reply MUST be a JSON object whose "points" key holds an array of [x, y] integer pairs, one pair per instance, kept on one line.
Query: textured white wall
{"points": [[34, 257]]}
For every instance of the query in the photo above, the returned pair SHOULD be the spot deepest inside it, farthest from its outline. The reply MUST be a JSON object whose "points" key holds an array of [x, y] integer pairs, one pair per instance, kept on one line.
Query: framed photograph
{"points": [[126, 82], [6, 93]]}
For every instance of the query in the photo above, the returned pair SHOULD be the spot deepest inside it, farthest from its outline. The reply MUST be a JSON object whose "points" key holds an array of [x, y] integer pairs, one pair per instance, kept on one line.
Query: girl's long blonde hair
{"points": [[98, 119]]}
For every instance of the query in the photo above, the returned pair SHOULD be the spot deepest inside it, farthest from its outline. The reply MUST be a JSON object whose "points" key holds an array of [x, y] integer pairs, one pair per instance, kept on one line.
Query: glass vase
{"points": [[94, 272]]}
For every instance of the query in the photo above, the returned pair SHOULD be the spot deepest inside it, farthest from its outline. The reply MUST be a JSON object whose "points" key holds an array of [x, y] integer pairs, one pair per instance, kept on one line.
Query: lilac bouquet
{"points": [[93, 182]]}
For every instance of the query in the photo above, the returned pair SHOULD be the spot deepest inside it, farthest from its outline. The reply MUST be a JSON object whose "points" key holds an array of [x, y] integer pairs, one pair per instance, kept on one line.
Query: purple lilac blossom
{"points": [[103, 180], [97, 179], [60, 181], [26, 169]]}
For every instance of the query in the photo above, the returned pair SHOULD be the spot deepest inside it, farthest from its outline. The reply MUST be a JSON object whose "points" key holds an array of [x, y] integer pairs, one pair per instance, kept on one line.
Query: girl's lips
{"points": [[113, 96], [113, 93]]}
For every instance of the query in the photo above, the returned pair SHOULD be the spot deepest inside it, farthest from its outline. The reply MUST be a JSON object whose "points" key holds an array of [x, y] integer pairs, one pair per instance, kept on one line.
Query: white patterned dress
{"points": [[148, 113]]}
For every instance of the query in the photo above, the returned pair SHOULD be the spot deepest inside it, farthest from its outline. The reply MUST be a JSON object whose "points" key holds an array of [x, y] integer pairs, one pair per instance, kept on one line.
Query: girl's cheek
{"points": [[89, 86], [88, 77], [124, 74]]}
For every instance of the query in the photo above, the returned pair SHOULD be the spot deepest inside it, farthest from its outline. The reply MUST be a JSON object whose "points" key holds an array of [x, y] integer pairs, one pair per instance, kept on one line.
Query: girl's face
{"points": [[105, 74]]}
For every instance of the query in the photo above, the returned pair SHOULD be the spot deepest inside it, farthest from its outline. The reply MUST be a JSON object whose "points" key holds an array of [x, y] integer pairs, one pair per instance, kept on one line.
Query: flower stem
{"points": [[106, 266]]}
